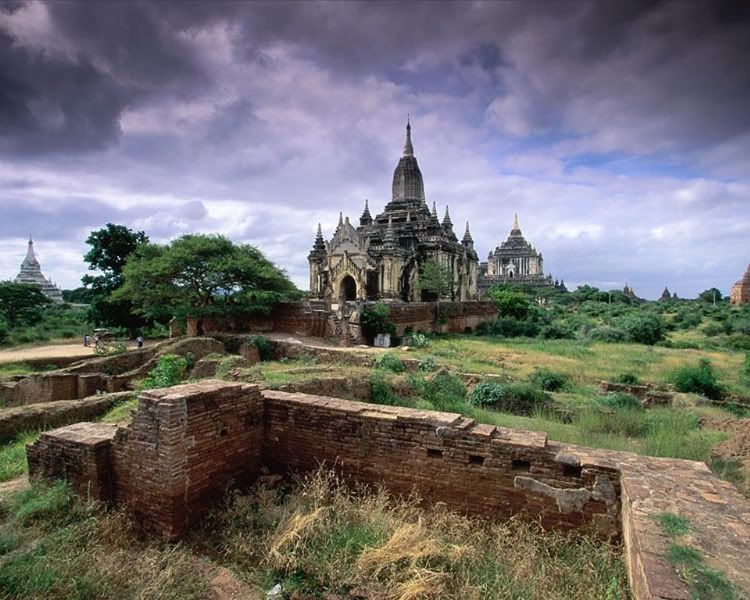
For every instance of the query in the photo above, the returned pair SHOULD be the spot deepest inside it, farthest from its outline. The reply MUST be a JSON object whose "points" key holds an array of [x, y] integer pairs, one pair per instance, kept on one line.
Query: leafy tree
{"points": [[111, 247], [80, 295], [374, 320], [644, 329], [201, 275], [435, 279], [21, 303], [510, 303], [711, 295]]}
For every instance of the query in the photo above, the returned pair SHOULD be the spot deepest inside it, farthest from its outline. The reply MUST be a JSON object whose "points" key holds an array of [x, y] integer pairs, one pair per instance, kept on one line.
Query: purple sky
{"points": [[620, 132]]}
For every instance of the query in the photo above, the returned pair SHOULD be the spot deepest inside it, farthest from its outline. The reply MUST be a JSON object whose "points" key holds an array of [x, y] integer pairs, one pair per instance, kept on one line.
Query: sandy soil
{"points": [[52, 351]]}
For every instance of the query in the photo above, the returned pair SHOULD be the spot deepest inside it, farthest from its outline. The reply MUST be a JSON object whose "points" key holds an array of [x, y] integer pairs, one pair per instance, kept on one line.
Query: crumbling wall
{"points": [[478, 469], [185, 446]]}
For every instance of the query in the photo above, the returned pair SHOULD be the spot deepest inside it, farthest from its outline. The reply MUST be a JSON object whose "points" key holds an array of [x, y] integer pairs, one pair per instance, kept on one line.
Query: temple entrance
{"points": [[349, 288], [372, 285]]}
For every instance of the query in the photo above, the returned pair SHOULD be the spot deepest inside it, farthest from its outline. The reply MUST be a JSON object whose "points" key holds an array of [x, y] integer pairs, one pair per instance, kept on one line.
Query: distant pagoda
{"points": [[741, 290], [31, 273]]}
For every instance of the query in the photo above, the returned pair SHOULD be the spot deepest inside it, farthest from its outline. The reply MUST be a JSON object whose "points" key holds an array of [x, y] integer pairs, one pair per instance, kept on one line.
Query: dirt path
{"points": [[53, 351], [14, 485]]}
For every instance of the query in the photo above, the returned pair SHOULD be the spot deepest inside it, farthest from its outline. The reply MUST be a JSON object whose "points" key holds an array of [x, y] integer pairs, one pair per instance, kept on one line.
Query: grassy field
{"points": [[316, 538], [583, 361]]}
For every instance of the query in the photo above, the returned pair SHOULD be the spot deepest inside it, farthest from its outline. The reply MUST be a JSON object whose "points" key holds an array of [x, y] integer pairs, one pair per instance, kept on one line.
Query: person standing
{"points": [[139, 339]]}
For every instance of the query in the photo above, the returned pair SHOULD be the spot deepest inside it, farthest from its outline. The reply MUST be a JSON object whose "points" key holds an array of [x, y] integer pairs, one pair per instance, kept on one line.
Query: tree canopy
{"points": [[21, 303], [435, 279], [201, 275], [111, 247]]}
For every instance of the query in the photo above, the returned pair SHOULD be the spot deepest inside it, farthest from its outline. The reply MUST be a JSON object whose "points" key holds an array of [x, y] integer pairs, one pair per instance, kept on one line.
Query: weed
{"points": [[390, 362], [170, 370], [548, 380], [673, 525], [13, 455], [516, 398]]}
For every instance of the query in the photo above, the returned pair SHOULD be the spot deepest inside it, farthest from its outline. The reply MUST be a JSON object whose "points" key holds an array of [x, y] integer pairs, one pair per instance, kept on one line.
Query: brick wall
{"points": [[79, 453], [447, 458], [184, 447], [294, 318]]}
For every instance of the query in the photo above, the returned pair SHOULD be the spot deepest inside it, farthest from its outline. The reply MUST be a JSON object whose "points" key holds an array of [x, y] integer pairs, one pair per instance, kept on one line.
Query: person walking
{"points": [[86, 340], [139, 339]]}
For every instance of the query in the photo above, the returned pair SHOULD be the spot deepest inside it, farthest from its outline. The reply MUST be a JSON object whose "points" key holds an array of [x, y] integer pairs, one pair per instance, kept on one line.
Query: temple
{"points": [[31, 273], [515, 261], [381, 258], [741, 290]]}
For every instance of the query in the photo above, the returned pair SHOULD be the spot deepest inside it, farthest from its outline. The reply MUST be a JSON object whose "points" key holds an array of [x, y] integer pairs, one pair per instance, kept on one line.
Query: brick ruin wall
{"points": [[300, 319], [186, 445]]}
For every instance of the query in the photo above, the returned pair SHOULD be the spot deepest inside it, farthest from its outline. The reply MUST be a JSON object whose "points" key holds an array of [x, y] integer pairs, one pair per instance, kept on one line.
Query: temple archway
{"points": [[348, 288]]}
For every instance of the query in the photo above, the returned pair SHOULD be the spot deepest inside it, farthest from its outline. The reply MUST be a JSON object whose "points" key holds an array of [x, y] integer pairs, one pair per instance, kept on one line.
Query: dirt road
{"points": [[18, 355]]}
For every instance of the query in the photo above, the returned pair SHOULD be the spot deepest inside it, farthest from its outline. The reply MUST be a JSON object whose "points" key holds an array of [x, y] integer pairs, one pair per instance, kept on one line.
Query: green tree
{"points": [[111, 247], [201, 275], [435, 280], [21, 303], [511, 303], [711, 296]]}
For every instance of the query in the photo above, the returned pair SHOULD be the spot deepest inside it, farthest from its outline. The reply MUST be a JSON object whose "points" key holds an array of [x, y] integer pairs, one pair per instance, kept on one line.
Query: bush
{"points": [[3, 332], [420, 340], [227, 364], [444, 391], [746, 365], [381, 392], [389, 362], [699, 379], [110, 349], [516, 398], [374, 320], [513, 327], [645, 329], [614, 420], [628, 378], [427, 364], [607, 333], [555, 331], [265, 349], [170, 370], [620, 400], [548, 380]]}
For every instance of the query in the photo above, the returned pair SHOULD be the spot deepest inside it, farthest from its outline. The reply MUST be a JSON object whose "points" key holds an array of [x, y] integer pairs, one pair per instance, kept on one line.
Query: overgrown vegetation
{"points": [[54, 546], [514, 398], [13, 455], [170, 370], [700, 379], [327, 538], [389, 362]]}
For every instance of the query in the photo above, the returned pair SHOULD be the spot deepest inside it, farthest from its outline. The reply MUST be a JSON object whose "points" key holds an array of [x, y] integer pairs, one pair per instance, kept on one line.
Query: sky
{"points": [[618, 131]]}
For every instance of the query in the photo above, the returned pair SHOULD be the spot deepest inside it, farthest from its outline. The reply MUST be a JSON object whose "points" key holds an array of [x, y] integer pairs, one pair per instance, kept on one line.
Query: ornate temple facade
{"points": [[741, 290], [381, 258], [31, 272], [515, 261]]}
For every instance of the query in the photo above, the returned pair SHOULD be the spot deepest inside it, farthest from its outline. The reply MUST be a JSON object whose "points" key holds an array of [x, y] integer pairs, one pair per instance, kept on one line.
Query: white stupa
{"points": [[31, 273]]}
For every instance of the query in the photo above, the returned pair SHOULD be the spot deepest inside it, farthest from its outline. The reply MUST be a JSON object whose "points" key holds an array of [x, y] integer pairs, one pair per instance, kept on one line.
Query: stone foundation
{"points": [[186, 445]]}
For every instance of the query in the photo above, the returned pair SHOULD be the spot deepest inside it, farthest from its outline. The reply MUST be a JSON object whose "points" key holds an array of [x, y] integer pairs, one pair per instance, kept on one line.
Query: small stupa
{"points": [[31, 273]]}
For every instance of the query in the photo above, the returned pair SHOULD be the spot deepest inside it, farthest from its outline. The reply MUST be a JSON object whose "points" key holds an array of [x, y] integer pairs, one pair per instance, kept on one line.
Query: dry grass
{"points": [[326, 537]]}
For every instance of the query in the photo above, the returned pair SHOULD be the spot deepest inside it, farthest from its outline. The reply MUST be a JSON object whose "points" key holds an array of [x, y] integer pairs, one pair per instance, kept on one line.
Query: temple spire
{"points": [[447, 218], [515, 222], [366, 218], [319, 244], [467, 234], [408, 148], [434, 209]]}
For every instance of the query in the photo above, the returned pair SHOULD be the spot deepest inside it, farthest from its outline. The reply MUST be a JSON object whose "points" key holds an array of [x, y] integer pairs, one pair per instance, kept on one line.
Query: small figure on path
{"points": [[86, 340], [139, 339]]}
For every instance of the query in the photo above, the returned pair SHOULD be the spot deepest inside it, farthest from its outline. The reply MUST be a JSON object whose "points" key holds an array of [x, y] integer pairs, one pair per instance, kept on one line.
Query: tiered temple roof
{"points": [[31, 273], [741, 290]]}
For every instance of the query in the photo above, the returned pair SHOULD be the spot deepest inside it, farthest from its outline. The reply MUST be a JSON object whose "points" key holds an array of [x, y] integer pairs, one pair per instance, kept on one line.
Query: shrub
{"points": [[389, 362], [110, 349], [513, 327], [427, 364], [227, 364], [746, 365], [713, 329], [628, 378], [607, 333], [555, 331], [444, 391], [548, 380], [265, 349], [645, 329], [620, 400], [420, 340], [381, 392], [374, 320], [516, 398], [170, 370], [699, 379]]}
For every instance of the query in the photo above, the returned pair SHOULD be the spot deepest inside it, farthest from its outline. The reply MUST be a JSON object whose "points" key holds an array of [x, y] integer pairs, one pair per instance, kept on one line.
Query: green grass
{"points": [[702, 580], [58, 547], [13, 455], [120, 412], [10, 369]]}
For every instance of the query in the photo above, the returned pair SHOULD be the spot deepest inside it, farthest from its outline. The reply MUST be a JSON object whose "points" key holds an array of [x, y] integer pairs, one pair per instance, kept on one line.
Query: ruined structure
{"points": [[666, 295], [186, 444], [741, 290], [381, 258], [515, 261], [31, 273], [629, 292]]}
